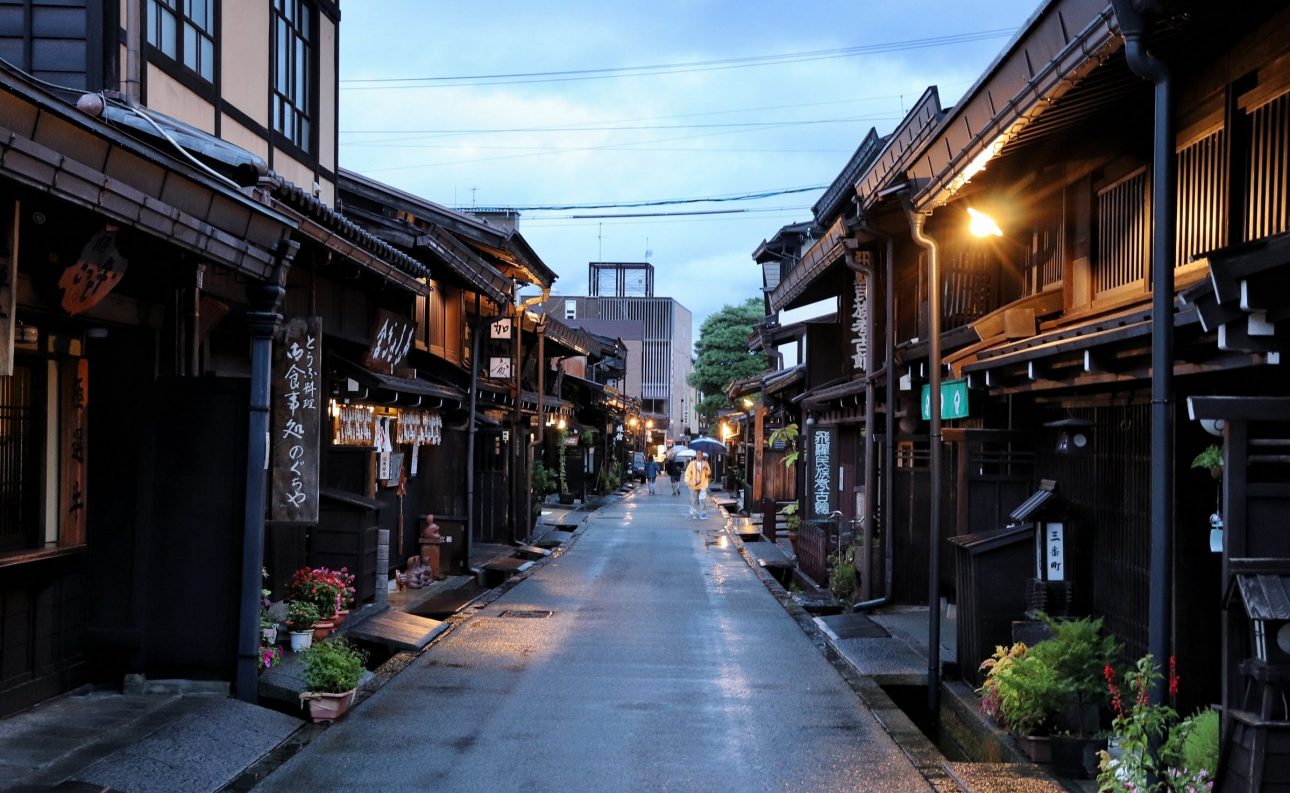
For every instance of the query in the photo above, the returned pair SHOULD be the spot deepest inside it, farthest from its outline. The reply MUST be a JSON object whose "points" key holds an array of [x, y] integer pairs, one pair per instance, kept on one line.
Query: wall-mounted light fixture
{"points": [[982, 225]]}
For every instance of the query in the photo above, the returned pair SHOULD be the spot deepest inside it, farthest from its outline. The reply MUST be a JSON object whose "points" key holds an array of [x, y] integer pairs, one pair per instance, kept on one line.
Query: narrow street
{"points": [[665, 664]]}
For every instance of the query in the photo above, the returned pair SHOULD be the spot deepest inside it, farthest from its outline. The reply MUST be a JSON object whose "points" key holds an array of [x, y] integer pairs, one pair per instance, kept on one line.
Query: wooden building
{"points": [[1046, 326]]}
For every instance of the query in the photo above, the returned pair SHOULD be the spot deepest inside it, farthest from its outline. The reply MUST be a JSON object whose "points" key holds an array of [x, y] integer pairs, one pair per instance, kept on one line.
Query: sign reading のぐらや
{"points": [[297, 414]]}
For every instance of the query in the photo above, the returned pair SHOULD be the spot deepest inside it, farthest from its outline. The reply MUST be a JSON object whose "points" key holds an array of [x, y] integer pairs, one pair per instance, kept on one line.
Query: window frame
{"points": [[176, 64], [303, 145]]}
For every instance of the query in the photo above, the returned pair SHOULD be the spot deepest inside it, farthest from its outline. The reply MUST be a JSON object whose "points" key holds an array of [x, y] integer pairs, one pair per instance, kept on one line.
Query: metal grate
{"points": [[1123, 234], [526, 614], [1267, 209], [1202, 197]]}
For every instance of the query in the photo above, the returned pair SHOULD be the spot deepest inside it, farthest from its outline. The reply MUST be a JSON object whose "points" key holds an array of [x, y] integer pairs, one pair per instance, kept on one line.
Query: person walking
{"points": [[651, 473], [674, 471], [698, 474]]}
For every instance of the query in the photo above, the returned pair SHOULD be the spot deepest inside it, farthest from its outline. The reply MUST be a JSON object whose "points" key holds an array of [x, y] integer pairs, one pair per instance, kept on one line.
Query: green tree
{"points": [[723, 354]]}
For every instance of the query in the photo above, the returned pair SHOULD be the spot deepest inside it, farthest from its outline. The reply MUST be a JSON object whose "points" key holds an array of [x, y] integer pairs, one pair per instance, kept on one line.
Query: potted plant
{"points": [[302, 616], [1211, 459], [792, 522], [268, 623], [333, 670], [542, 482], [1128, 763], [1191, 752], [843, 578], [1023, 693], [1078, 652], [324, 588]]}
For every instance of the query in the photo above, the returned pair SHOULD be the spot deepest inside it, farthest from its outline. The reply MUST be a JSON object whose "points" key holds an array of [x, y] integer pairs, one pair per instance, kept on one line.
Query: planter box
{"points": [[327, 707], [1037, 747], [1076, 757]]}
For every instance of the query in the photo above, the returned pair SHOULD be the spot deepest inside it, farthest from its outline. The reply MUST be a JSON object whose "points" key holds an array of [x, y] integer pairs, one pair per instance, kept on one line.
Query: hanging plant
{"points": [[1211, 459]]}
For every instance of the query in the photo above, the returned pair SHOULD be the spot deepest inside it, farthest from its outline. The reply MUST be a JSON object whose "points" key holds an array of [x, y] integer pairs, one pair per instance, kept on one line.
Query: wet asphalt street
{"points": [[666, 665]]}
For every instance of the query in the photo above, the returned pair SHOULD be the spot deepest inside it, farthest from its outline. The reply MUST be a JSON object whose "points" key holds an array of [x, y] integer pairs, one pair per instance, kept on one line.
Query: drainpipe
{"points": [[134, 54], [470, 435], [1163, 188], [916, 221], [262, 320], [889, 455]]}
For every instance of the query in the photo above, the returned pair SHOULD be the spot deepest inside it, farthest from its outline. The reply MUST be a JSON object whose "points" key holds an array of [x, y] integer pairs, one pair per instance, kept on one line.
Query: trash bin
{"points": [[992, 569]]}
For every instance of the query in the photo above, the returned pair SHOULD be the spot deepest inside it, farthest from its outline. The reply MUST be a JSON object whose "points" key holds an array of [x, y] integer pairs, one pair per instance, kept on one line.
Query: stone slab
{"points": [[397, 630], [851, 626], [553, 539], [531, 551]]}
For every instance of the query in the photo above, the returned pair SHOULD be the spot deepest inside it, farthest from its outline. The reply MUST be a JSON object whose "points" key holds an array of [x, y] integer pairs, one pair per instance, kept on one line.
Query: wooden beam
{"points": [[1238, 407]]}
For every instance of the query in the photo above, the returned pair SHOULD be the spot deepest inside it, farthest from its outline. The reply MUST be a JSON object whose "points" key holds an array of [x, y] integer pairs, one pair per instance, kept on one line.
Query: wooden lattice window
{"points": [[1267, 205], [1202, 197], [1123, 235]]}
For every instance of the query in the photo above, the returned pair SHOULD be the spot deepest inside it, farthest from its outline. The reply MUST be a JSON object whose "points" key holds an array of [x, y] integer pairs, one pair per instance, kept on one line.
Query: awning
{"points": [[51, 147], [817, 397], [827, 251], [784, 379], [391, 390]]}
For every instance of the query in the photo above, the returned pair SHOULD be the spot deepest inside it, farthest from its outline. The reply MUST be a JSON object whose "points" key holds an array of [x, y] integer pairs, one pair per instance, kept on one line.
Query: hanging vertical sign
{"points": [[822, 476], [1054, 562], [857, 321], [297, 414], [75, 398], [392, 337]]}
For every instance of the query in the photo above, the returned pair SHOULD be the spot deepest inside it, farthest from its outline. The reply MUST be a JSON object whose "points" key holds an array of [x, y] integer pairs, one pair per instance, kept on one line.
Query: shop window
{"points": [[42, 455], [293, 26], [184, 31]]}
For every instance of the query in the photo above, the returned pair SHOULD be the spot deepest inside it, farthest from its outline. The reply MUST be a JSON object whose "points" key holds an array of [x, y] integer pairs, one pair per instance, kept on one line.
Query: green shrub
{"points": [[333, 666], [843, 579]]}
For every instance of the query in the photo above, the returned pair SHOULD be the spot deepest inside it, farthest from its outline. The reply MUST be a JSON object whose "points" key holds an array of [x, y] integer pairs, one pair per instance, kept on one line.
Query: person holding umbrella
{"points": [[698, 474]]}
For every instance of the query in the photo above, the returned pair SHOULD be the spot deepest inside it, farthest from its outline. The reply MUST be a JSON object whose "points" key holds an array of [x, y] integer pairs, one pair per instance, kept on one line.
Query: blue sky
{"points": [[697, 131]]}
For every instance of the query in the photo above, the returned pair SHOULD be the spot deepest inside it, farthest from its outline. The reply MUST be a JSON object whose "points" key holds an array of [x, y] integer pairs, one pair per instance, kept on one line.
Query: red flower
{"points": [[1117, 703], [1173, 677]]}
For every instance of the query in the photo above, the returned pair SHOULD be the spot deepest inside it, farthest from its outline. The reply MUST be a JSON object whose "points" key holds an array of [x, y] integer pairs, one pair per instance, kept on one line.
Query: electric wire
{"points": [[681, 67]]}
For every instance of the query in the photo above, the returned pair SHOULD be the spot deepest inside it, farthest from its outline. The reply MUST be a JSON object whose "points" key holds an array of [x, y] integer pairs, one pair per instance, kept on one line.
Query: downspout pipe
{"points": [[916, 221], [870, 443], [1163, 199], [262, 322], [473, 423]]}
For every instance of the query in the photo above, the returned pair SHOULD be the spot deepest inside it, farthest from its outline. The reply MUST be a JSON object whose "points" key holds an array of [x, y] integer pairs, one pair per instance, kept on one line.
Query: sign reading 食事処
{"points": [[296, 405], [822, 444]]}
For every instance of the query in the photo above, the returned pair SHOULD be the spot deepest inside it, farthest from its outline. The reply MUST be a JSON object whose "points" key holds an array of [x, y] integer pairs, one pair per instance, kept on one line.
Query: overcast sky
{"points": [[709, 126]]}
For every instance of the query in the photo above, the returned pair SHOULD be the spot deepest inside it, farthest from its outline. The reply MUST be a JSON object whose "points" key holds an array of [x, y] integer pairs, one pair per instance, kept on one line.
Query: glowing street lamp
{"points": [[982, 225]]}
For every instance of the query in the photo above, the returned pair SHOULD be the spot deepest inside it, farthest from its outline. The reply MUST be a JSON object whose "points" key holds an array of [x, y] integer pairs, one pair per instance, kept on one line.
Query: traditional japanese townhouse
{"points": [[1062, 365], [139, 497]]}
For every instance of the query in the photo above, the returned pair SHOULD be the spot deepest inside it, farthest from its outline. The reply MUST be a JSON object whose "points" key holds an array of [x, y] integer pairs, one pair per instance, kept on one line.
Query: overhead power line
{"points": [[652, 203], [682, 67]]}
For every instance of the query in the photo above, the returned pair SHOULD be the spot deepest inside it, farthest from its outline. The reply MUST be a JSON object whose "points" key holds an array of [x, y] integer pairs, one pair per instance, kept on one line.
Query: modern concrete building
{"points": [[622, 304]]}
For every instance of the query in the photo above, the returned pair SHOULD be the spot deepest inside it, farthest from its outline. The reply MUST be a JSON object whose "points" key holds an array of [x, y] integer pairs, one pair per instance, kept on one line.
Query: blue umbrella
{"points": [[707, 446]]}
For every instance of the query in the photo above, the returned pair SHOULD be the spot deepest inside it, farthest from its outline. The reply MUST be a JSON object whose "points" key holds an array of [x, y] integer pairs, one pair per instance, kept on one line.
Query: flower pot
{"points": [[1075, 757], [1036, 747], [301, 640], [339, 617], [323, 629], [270, 635], [324, 706]]}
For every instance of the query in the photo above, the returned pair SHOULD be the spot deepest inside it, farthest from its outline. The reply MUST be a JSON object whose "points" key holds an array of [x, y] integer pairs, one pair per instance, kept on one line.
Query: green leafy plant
{"points": [[542, 481], [1135, 727], [333, 666], [1022, 692], [787, 434], [843, 578], [1078, 653], [1190, 754], [792, 520], [302, 614], [562, 474], [588, 437], [1211, 459]]}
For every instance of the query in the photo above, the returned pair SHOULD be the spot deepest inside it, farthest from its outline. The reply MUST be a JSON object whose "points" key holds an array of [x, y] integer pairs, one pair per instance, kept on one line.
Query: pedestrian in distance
{"points": [[651, 473], [698, 474], [674, 471]]}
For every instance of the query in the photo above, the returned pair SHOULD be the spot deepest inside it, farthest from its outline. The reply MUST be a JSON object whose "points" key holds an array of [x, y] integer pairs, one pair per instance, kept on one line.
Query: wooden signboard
{"points": [[821, 477], [96, 273], [75, 375], [392, 337], [856, 322], [296, 400]]}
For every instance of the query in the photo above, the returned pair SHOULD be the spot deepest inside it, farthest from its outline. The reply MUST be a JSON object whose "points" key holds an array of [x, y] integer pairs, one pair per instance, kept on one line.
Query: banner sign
{"points": [[954, 400], [296, 403], [858, 317], [822, 475], [392, 337]]}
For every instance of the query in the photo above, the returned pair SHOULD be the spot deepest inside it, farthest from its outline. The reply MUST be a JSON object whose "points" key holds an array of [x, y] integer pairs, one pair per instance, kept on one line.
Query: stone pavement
{"points": [[189, 741]]}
